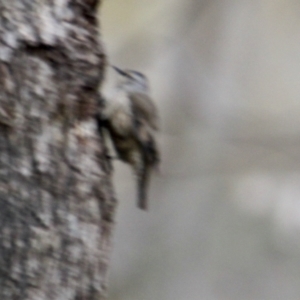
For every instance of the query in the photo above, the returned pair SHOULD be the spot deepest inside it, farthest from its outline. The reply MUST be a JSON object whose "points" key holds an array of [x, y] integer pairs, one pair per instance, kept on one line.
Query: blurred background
{"points": [[224, 219]]}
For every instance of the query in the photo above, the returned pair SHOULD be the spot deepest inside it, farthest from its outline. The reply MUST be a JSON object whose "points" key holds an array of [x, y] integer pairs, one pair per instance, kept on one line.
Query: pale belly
{"points": [[122, 122]]}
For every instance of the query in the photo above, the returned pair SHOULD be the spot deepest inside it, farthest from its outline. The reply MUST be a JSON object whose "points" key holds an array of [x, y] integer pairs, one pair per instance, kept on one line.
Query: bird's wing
{"points": [[144, 108]]}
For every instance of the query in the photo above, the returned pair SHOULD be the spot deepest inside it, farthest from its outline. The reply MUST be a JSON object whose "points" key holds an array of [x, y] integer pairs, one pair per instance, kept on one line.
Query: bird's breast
{"points": [[121, 121]]}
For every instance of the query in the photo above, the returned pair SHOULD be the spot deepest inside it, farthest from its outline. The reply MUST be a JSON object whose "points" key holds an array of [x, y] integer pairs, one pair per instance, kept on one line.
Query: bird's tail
{"points": [[148, 160]]}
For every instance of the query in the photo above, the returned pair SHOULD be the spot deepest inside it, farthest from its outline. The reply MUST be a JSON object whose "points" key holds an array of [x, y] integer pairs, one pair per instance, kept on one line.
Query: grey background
{"points": [[224, 220]]}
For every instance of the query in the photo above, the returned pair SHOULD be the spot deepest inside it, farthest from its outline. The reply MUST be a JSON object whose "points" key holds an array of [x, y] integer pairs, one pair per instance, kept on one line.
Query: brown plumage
{"points": [[132, 121]]}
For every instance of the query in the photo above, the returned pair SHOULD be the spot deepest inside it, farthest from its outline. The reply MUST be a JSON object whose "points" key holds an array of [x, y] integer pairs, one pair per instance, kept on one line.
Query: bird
{"points": [[131, 118]]}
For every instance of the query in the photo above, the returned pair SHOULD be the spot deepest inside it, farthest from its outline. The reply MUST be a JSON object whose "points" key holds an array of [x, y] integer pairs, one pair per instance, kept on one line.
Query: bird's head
{"points": [[133, 79]]}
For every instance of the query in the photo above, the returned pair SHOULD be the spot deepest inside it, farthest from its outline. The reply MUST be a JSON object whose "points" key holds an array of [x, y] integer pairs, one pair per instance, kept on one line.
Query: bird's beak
{"points": [[120, 71]]}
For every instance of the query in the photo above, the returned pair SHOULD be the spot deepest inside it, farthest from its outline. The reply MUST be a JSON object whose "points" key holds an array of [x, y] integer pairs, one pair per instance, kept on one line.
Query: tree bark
{"points": [[57, 205]]}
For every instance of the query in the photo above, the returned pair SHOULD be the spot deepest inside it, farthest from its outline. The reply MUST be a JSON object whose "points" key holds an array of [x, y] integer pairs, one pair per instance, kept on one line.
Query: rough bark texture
{"points": [[56, 201]]}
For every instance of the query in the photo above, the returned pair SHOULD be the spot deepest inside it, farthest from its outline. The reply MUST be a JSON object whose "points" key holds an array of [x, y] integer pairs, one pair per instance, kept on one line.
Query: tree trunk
{"points": [[56, 200]]}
